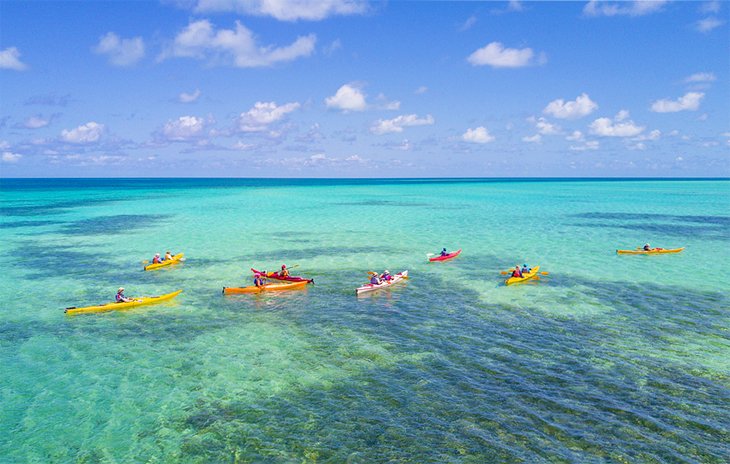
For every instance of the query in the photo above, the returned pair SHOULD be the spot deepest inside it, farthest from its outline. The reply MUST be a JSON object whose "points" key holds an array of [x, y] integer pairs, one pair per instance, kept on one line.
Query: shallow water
{"points": [[606, 359]]}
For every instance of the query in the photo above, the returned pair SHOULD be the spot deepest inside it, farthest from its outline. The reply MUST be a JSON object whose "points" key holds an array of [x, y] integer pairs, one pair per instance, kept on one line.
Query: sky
{"points": [[350, 88]]}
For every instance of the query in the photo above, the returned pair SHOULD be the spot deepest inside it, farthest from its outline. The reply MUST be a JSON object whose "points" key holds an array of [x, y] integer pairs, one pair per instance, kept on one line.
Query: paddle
{"points": [[510, 272]]}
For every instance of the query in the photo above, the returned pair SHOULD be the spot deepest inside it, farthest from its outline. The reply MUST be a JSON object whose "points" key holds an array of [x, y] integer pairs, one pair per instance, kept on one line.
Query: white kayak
{"points": [[371, 287]]}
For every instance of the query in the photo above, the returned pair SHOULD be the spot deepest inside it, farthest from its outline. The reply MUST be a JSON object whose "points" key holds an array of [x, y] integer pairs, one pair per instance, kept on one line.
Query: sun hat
{"points": [[121, 289]]}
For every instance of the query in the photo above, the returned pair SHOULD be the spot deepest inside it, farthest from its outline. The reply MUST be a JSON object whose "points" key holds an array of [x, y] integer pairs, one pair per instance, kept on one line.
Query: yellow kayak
{"points": [[653, 251], [139, 301], [525, 277], [175, 259], [266, 288]]}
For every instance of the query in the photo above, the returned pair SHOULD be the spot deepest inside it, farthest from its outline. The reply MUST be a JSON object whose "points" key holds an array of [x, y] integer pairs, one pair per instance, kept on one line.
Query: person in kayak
{"points": [[258, 280], [443, 252], [517, 272], [156, 259], [386, 277], [525, 269], [647, 247], [375, 280], [120, 298], [168, 256], [284, 271]]}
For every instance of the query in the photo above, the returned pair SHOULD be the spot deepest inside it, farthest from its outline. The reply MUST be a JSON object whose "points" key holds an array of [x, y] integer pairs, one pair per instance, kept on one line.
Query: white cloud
{"points": [[10, 157], [689, 102], [537, 138], [385, 126], [86, 133], [10, 59], [263, 114], [588, 145], [701, 77], [495, 55], [625, 8], [708, 24], [35, 122], [710, 7], [515, 5], [469, 23], [184, 128], [121, 52], [189, 97], [421, 90], [575, 136], [581, 106], [620, 126], [285, 10], [386, 104], [238, 47], [544, 127], [477, 135], [348, 98]]}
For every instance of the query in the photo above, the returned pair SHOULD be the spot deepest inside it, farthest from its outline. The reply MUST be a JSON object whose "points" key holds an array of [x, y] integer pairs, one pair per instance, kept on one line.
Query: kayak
{"points": [[525, 277], [446, 257], [371, 287], [266, 288], [139, 301], [276, 276], [175, 259], [655, 251]]}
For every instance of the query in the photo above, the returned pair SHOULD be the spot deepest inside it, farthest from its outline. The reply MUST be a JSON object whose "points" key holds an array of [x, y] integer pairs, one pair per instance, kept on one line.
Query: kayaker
{"points": [[647, 247], [156, 259], [525, 269], [120, 296], [517, 272], [258, 280], [443, 252], [375, 280], [168, 256], [386, 276], [284, 271]]}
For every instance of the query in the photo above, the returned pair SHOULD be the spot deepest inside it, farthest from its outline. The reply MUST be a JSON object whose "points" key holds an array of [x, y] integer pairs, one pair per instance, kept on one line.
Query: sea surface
{"points": [[608, 358]]}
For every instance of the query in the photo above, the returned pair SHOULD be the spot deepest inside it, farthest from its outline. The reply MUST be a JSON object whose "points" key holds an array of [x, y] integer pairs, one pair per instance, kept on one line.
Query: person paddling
{"points": [[168, 256], [120, 298], [375, 280], [386, 276], [156, 259], [647, 247], [284, 271], [258, 280], [525, 269], [517, 272], [443, 252]]}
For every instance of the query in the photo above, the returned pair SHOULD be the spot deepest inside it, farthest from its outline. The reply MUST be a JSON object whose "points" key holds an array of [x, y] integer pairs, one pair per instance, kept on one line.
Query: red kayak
{"points": [[276, 276], [446, 257]]}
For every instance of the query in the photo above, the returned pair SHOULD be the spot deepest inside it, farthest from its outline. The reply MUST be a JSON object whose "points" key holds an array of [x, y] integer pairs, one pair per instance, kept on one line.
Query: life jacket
{"points": [[156, 260], [516, 273], [120, 297], [374, 280]]}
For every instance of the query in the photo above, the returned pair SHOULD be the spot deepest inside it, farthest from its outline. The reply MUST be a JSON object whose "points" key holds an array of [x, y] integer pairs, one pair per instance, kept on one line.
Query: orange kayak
{"points": [[266, 288]]}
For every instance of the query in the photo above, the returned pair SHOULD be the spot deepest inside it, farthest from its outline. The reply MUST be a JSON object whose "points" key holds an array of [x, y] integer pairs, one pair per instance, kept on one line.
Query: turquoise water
{"points": [[606, 359]]}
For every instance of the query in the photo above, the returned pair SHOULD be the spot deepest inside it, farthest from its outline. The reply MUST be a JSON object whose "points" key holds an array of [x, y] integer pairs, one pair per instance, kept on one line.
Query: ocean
{"points": [[607, 358]]}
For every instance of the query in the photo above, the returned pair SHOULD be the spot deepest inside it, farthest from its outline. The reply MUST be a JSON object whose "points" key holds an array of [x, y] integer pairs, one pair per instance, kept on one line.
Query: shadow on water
{"points": [[709, 227], [19, 224], [117, 224], [58, 207], [460, 381]]}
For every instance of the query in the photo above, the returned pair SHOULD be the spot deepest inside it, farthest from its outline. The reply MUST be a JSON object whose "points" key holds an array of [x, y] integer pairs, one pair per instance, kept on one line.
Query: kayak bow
{"points": [[139, 301]]}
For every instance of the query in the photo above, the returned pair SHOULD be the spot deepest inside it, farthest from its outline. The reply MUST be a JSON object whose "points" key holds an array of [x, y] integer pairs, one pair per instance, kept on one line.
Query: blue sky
{"points": [[344, 88]]}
